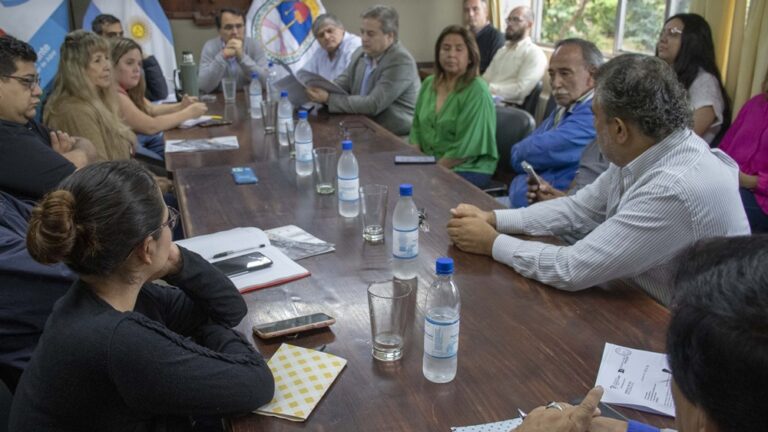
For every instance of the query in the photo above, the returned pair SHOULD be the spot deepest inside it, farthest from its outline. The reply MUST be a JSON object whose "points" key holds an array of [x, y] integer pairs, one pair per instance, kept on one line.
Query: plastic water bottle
{"points": [[303, 137], [254, 91], [285, 120], [347, 173], [441, 325], [270, 82], [405, 235]]}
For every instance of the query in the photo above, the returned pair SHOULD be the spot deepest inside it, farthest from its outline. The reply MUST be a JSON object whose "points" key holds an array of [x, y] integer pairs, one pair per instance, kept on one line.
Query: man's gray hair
{"points": [[324, 20], [593, 57], [643, 90], [386, 16]]}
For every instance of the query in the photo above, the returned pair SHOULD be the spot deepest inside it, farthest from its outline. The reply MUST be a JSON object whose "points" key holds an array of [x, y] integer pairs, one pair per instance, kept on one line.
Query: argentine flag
{"points": [[284, 29], [145, 22], [42, 24]]}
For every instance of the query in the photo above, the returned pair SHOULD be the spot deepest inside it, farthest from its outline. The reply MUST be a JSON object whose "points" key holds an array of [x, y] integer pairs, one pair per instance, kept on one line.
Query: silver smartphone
{"points": [[531, 172], [293, 325], [243, 264]]}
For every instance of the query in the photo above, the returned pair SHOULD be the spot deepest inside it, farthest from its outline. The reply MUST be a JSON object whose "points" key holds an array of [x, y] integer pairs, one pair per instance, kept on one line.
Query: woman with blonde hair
{"points": [[147, 120], [84, 101]]}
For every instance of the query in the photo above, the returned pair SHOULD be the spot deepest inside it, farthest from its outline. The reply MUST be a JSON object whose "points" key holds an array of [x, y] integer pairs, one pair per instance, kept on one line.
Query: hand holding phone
{"points": [[293, 325], [531, 172]]}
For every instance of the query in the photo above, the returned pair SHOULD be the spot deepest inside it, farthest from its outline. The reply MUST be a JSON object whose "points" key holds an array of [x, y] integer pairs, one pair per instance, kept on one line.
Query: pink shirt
{"points": [[747, 143]]}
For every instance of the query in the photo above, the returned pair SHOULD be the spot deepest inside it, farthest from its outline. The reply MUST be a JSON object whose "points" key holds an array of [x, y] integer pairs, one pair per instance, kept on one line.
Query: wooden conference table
{"points": [[521, 343]]}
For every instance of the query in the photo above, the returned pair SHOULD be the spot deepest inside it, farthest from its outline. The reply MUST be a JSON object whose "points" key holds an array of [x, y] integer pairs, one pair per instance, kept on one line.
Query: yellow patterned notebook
{"points": [[302, 376]]}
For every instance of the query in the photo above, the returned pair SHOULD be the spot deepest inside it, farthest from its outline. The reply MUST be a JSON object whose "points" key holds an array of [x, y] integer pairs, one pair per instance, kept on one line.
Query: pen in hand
{"points": [[233, 252]]}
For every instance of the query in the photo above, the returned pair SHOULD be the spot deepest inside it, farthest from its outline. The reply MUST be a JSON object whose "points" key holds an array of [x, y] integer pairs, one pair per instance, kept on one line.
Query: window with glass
{"points": [[615, 26]]}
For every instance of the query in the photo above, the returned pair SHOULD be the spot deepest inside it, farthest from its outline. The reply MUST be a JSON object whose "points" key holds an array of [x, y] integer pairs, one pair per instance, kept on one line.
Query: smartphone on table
{"points": [[415, 160], [293, 325], [243, 264]]}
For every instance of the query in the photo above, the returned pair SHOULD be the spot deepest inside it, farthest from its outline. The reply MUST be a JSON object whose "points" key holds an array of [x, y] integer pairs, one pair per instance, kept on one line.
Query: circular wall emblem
{"points": [[284, 28], [139, 29]]}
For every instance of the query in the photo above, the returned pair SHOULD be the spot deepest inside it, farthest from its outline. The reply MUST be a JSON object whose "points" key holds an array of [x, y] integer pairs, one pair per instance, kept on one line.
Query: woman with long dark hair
{"points": [[119, 352], [455, 119], [686, 44]]}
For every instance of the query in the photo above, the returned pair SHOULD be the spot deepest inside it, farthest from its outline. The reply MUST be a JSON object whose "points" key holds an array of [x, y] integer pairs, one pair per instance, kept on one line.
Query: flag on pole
{"points": [[42, 24], [145, 22], [284, 28]]}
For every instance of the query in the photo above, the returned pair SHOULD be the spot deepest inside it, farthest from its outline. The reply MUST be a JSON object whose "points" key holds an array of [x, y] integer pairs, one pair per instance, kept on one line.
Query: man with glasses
{"points": [[489, 39], [520, 64], [109, 26], [34, 159], [230, 54]]}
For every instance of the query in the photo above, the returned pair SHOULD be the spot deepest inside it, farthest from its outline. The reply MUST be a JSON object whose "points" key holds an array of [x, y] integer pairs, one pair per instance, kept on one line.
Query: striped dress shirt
{"points": [[636, 220]]}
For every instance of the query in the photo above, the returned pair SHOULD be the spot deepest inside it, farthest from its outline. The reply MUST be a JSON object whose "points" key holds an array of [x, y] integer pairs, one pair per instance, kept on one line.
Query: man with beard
{"points": [[489, 39], [519, 64]]}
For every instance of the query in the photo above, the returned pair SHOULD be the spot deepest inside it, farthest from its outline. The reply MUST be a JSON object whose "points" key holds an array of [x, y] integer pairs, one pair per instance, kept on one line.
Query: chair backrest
{"points": [[532, 100], [512, 125]]}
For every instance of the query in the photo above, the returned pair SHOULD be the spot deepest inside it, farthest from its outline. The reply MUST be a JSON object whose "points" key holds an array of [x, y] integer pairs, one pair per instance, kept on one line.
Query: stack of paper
{"points": [[241, 241], [302, 376], [636, 379], [502, 426], [206, 144]]}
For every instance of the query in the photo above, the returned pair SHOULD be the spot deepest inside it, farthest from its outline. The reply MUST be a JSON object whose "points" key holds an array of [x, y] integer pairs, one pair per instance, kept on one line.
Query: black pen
{"points": [[233, 252]]}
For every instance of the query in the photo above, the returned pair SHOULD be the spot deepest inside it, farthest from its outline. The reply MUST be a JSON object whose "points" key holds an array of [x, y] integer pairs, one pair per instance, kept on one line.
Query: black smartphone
{"points": [[293, 325], [214, 122], [404, 160], [243, 264]]}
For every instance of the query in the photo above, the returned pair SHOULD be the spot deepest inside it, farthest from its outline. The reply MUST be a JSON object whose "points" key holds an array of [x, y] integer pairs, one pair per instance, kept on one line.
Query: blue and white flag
{"points": [[42, 24], [284, 28], [145, 22]]}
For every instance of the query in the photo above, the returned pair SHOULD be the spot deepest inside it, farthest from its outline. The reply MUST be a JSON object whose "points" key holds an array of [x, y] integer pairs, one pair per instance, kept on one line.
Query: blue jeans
{"points": [[758, 220], [478, 179], [152, 146]]}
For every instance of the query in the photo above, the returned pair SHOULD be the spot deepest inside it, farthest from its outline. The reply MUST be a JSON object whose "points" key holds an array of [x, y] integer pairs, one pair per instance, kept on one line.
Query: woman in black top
{"points": [[120, 353]]}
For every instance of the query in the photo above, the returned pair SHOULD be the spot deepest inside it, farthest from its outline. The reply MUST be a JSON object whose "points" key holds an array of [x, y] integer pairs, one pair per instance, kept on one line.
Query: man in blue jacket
{"points": [[555, 147]]}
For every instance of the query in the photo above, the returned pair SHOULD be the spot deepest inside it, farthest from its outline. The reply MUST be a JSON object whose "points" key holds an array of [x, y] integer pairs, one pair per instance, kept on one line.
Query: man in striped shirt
{"points": [[664, 190]]}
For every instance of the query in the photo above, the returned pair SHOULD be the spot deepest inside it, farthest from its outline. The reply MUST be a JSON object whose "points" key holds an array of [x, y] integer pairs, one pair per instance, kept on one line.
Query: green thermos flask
{"points": [[188, 72]]}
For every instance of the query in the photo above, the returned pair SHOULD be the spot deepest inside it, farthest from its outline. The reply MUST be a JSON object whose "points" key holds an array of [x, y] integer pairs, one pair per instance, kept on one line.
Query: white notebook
{"points": [[241, 241]]}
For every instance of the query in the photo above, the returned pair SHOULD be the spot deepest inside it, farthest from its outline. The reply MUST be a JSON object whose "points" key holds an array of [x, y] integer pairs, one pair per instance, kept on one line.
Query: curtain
{"points": [[737, 31], [494, 12]]}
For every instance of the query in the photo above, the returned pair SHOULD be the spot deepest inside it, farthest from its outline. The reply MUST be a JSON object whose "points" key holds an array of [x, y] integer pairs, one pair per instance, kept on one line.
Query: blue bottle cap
{"points": [[284, 93], [444, 266], [346, 145], [406, 189], [254, 75], [270, 64], [302, 115]]}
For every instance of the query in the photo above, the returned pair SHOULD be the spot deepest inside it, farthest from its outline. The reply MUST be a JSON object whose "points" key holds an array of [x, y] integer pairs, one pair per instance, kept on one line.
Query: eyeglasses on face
{"points": [[672, 32], [173, 217], [230, 27], [517, 20], [28, 82]]}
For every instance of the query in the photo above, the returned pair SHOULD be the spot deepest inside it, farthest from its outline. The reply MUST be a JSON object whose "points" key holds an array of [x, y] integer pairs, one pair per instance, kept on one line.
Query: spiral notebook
{"points": [[302, 376]]}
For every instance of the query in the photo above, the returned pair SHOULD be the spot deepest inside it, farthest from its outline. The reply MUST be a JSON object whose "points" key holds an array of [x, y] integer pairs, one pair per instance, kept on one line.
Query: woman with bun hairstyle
{"points": [[119, 352], [146, 119], [84, 100]]}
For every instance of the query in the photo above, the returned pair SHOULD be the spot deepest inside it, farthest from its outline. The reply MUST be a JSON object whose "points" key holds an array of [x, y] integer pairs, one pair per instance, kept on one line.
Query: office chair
{"points": [[512, 125]]}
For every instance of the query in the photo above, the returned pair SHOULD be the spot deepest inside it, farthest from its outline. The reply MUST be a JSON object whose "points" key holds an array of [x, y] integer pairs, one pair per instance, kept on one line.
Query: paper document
{"points": [[302, 376], [636, 379], [502, 426], [202, 144], [241, 241], [186, 124], [297, 243], [295, 83]]}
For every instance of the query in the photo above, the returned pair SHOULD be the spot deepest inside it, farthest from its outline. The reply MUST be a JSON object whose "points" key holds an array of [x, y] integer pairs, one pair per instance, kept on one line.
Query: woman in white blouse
{"points": [[686, 44]]}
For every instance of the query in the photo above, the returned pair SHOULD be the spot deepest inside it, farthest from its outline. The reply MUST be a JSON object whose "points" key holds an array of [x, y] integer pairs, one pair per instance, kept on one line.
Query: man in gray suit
{"points": [[381, 79]]}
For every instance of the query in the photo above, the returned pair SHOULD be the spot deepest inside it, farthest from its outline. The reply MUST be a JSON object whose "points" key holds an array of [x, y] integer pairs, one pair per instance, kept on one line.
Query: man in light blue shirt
{"points": [[337, 46]]}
